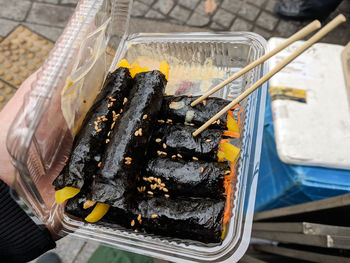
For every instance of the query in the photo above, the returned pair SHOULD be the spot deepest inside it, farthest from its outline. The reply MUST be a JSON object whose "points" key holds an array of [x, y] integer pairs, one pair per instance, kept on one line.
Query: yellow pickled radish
{"points": [[135, 68], [123, 64], [221, 156], [230, 151], [97, 213], [232, 124], [66, 193], [164, 68]]}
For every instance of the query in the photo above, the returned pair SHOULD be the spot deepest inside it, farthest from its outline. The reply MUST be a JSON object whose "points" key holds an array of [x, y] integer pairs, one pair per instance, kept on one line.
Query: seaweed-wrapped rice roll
{"points": [[90, 142], [179, 110], [115, 182], [170, 178], [177, 141]]}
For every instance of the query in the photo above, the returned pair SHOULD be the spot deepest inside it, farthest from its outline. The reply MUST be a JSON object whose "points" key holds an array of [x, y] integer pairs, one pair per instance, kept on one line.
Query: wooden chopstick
{"points": [[320, 34], [297, 36]]}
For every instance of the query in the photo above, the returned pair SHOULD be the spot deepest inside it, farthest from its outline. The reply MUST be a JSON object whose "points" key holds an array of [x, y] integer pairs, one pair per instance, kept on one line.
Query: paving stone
{"points": [[198, 20], [139, 9], [200, 9], [232, 6], [190, 4], [215, 26], [267, 21], [223, 17], [68, 248], [86, 252], [69, 2], [271, 5], [286, 28], [180, 13], [146, 2], [262, 32], [53, 15], [249, 12], [241, 25], [49, 32], [154, 14], [14, 9], [48, 1], [258, 3], [6, 26], [164, 6]]}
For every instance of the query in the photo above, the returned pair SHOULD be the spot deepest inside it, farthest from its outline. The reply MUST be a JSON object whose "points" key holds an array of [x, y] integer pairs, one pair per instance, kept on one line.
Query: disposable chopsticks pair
{"points": [[299, 35]]}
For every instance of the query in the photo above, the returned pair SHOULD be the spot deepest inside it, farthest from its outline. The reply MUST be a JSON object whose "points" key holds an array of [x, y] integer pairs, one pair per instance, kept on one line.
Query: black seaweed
{"points": [[115, 181], [181, 178], [196, 219], [178, 109], [178, 139], [89, 145]]}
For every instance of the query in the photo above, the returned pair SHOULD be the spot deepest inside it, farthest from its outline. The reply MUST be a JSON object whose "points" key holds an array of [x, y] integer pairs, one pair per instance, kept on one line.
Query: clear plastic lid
{"points": [[95, 39]]}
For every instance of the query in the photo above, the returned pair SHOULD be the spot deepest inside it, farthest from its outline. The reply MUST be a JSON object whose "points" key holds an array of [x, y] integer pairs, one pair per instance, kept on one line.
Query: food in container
{"points": [[194, 178], [179, 109], [90, 142], [115, 181]]}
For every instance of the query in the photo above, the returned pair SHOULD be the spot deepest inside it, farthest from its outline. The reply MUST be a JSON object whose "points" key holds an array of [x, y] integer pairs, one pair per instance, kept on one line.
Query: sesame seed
{"points": [[144, 116], [136, 231], [161, 121], [218, 122], [109, 133], [173, 156], [96, 123], [204, 102], [149, 192], [208, 140], [151, 178], [99, 164], [144, 178], [227, 172], [153, 186], [125, 101], [202, 169], [162, 184], [121, 111], [110, 104], [229, 96], [165, 190], [139, 217], [132, 222], [139, 189], [66, 159], [143, 188], [192, 124], [108, 140], [190, 95], [169, 121], [99, 130], [164, 146], [195, 158], [166, 196], [159, 181], [140, 131], [158, 140], [136, 133], [186, 123], [161, 153], [179, 155], [154, 216], [112, 126]]}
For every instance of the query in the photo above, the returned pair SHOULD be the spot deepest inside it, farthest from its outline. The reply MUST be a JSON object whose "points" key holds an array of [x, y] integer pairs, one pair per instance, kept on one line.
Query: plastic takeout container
{"points": [[41, 138]]}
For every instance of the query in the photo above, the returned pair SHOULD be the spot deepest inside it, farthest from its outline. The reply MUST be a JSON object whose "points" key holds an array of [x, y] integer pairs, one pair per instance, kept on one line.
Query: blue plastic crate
{"points": [[281, 184]]}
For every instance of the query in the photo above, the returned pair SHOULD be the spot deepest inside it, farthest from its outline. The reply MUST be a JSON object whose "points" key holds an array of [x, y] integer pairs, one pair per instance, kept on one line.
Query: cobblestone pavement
{"points": [[49, 17]]}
